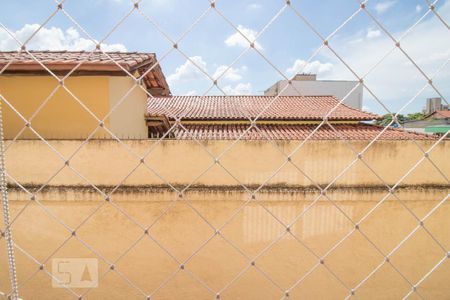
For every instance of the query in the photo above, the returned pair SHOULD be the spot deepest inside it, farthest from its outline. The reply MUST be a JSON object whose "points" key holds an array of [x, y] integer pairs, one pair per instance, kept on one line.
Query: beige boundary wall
{"points": [[60, 115], [217, 196], [108, 162]]}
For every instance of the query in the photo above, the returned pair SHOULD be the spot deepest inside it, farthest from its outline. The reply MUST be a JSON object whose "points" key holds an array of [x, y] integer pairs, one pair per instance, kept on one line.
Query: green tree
{"points": [[415, 116], [387, 120]]}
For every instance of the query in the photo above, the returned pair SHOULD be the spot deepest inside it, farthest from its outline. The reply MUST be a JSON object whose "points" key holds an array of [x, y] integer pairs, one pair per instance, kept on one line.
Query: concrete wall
{"points": [[249, 162], [144, 198], [182, 232], [339, 89], [62, 117]]}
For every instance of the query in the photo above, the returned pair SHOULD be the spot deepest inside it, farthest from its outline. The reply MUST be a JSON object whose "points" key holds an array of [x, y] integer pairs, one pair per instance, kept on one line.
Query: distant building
{"points": [[308, 85], [433, 105], [437, 122]]}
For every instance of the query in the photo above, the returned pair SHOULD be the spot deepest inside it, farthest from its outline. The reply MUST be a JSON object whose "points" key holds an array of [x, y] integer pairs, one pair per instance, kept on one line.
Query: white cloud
{"points": [[382, 7], [254, 6], [239, 89], [373, 33], [53, 38], [188, 71], [231, 74], [236, 39], [314, 67], [418, 8]]}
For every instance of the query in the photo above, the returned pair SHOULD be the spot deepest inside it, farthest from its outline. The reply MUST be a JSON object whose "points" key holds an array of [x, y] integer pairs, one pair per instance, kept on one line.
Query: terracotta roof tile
{"points": [[294, 132], [242, 107], [441, 114], [128, 60], [65, 61]]}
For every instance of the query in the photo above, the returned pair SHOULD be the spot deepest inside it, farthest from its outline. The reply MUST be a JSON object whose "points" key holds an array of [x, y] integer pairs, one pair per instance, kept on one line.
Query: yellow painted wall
{"points": [[217, 196], [62, 116], [127, 109]]}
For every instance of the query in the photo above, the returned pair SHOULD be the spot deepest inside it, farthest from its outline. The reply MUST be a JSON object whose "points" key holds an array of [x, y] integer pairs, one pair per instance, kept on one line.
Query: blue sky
{"points": [[287, 43]]}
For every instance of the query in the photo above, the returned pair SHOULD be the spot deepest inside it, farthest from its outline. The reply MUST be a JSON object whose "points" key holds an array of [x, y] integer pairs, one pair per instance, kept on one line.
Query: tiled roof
{"points": [[128, 60], [441, 114], [242, 107], [92, 62], [294, 132]]}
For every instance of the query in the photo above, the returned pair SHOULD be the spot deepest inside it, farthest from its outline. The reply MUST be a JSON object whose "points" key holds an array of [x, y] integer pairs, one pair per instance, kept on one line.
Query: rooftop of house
{"points": [[437, 118], [440, 114], [88, 63], [260, 107], [293, 132], [277, 118]]}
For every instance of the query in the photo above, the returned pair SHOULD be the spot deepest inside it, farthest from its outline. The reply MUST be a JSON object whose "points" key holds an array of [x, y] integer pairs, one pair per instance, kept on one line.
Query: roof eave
{"points": [[155, 70]]}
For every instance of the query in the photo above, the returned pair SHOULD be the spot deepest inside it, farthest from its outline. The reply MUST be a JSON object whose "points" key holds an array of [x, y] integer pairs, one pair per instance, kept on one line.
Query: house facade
{"points": [[69, 95]]}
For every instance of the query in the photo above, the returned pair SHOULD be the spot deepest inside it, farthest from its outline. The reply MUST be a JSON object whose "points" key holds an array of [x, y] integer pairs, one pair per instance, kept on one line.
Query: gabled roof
{"points": [[92, 63], [293, 132], [244, 107]]}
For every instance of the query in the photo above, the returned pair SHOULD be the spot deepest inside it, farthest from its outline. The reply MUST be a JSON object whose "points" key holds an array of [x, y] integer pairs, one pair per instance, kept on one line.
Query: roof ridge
{"points": [[352, 108]]}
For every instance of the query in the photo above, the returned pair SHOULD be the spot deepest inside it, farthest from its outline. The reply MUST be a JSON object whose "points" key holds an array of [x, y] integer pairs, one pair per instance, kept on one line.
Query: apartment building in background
{"points": [[436, 120], [308, 85], [434, 105]]}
